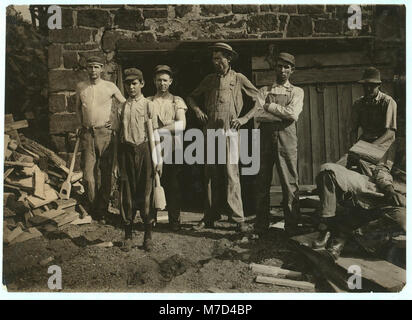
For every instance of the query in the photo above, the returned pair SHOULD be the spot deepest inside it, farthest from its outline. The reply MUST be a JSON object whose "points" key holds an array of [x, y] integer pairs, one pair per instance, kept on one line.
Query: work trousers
{"points": [[278, 145], [136, 182], [96, 163], [170, 183]]}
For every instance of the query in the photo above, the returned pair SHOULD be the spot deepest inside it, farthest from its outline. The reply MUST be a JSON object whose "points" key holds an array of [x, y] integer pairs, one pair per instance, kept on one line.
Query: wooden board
{"points": [[344, 116], [317, 133], [286, 283], [66, 218], [39, 181], [331, 124], [381, 272], [333, 59], [313, 76], [45, 217], [8, 119], [15, 125], [368, 151], [35, 202], [304, 141]]}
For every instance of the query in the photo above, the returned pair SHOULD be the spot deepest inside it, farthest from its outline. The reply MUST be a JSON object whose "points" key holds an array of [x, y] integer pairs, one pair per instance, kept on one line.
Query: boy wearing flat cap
{"points": [[283, 103], [169, 110], [136, 170], [94, 110], [222, 92]]}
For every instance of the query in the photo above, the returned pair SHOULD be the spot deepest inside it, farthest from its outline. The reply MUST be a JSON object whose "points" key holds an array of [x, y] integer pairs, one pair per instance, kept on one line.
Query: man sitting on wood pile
{"points": [[94, 110], [369, 190]]}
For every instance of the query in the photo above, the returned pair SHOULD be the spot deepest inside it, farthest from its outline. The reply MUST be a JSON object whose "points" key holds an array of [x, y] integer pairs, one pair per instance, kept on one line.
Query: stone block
{"points": [[58, 143], [311, 9], [272, 35], [109, 40], [129, 19], [269, 8], [245, 8], [299, 26], [57, 103], [62, 80], [83, 46], [63, 122], [78, 35], [71, 103], [223, 19], [54, 56], [289, 8], [67, 18], [154, 13], [146, 37], [207, 10], [328, 26], [93, 18], [182, 10], [263, 22], [70, 59]]}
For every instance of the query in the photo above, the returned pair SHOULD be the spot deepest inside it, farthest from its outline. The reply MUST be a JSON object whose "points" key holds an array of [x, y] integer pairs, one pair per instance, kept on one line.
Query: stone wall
{"points": [[95, 30]]}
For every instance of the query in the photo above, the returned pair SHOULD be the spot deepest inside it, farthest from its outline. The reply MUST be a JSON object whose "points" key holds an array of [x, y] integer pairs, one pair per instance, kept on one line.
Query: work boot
{"points": [[147, 240], [336, 246], [323, 238], [175, 226], [203, 225], [128, 235]]}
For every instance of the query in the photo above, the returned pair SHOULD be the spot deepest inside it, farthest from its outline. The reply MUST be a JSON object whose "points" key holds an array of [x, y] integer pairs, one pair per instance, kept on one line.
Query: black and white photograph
{"points": [[204, 148]]}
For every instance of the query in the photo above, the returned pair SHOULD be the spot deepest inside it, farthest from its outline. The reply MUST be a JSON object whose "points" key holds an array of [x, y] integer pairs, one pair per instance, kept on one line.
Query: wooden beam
{"points": [[16, 125], [326, 75], [274, 271], [286, 283]]}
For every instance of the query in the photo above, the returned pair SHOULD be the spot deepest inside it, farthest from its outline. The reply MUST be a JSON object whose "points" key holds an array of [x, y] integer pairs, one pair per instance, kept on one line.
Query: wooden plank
{"points": [[368, 151], [327, 75], [35, 202], [18, 164], [317, 130], [64, 204], [7, 173], [16, 125], [31, 233], [331, 123], [344, 113], [66, 218], [357, 91], [39, 181], [304, 142], [286, 282], [381, 272], [274, 271], [319, 60], [8, 119], [25, 183], [13, 235]]}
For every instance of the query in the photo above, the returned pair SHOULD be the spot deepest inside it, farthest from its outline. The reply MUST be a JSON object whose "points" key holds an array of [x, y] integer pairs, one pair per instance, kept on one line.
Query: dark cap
{"points": [[287, 57], [133, 74], [95, 59], [371, 75], [219, 46], [163, 68]]}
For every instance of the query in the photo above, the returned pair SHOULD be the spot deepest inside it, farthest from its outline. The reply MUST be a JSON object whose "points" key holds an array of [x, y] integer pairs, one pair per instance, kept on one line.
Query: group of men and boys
{"points": [[275, 113]]}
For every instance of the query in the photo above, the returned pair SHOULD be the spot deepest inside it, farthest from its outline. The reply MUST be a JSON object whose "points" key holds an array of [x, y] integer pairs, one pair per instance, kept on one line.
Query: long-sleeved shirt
{"points": [[294, 106], [213, 83]]}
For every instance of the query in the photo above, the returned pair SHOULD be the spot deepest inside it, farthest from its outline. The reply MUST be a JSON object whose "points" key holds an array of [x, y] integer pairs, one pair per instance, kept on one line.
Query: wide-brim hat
{"points": [[371, 75], [225, 47]]}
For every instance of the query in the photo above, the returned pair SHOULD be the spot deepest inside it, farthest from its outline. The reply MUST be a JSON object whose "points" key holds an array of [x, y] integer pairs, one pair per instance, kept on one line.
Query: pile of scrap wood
{"points": [[33, 176]]}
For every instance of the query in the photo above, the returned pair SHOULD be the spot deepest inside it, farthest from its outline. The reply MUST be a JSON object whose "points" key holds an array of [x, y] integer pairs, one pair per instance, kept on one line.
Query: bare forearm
{"points": [[387, 136]]}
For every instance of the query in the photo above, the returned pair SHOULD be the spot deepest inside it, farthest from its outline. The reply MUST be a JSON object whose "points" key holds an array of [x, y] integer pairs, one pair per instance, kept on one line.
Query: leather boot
{"points": [[147, 241], [323, 238], [336, 246]]}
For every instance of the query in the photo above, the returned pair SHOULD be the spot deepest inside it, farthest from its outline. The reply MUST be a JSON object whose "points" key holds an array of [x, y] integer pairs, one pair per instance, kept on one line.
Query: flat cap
{"points": [[133, 74], [287, 57], [95, 59], [163, 68], [225, 47], [371, 75]]}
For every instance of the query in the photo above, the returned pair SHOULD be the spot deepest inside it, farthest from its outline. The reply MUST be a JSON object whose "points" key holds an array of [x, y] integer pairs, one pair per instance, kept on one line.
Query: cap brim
{"points": [[131, 78]]}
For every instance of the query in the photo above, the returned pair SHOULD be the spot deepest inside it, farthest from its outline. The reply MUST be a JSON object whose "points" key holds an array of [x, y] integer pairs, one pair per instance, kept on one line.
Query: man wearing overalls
{"points": [[94, 111], [277, 118], [222, 92]]}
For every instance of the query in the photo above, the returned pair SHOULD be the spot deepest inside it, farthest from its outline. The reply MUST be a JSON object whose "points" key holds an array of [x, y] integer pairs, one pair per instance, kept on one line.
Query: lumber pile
{"points": [[33, 175]]}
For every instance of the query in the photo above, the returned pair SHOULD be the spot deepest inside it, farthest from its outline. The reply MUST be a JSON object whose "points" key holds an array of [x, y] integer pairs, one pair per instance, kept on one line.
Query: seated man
{"points": [[370, 188]]}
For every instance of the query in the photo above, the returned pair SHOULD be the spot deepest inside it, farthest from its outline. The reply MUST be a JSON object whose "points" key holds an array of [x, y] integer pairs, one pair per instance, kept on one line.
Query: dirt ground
{"points": [[213, 260]]}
